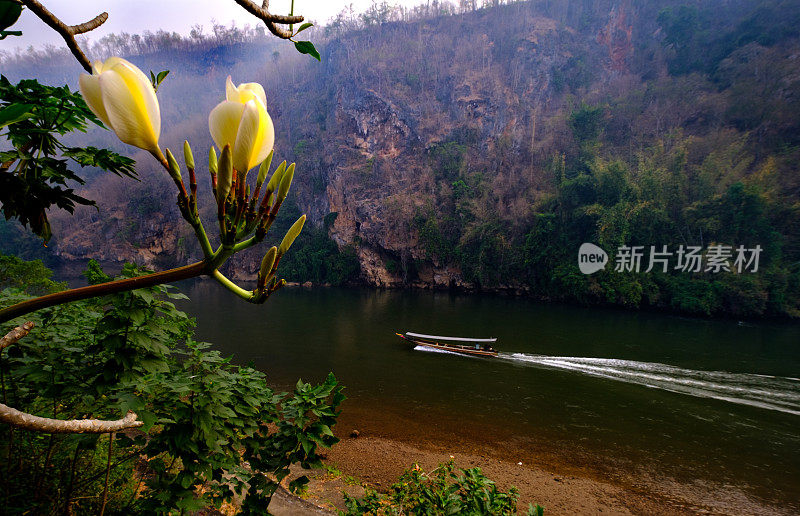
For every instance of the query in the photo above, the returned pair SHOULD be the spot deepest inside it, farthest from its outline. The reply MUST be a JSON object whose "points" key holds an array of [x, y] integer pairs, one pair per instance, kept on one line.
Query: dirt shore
{"points": [[381, 453]]}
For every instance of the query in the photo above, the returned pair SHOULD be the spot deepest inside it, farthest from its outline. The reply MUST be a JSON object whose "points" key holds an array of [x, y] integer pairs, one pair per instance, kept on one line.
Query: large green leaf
{"points": [[15, 113], [9, 13]]}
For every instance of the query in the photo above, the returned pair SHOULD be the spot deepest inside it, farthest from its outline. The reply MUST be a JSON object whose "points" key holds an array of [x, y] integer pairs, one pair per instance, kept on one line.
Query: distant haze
{"points": [[137, 16]]}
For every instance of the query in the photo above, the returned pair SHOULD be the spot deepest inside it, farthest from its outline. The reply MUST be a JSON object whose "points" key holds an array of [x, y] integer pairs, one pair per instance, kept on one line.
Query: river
{"points": [[712, 405]]}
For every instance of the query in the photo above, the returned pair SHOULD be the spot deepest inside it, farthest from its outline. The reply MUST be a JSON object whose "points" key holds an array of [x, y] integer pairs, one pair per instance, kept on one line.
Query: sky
{"points": [[136, 16]]}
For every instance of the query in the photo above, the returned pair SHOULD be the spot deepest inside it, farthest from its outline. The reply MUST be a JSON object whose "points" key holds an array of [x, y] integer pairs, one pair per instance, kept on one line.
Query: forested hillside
{"points": [[479, 148]]}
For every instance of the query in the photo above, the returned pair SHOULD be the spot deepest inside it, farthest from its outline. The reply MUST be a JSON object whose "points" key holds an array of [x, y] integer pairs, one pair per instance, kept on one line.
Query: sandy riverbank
{"points": [[382, 452]]}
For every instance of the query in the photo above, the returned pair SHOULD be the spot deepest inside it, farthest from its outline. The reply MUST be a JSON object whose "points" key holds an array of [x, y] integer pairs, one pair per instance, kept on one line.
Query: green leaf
{"points": [[306, 47], [303, 27], [9, 13], [15, 113], [156, 79]]}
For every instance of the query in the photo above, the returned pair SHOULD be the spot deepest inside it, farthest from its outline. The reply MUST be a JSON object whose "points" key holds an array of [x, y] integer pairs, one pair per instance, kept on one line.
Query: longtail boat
{"points": [[462, 345]]}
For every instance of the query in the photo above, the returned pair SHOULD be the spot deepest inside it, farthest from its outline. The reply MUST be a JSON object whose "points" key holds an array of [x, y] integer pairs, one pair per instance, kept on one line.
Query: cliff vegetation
{"points": [[452, 146]]}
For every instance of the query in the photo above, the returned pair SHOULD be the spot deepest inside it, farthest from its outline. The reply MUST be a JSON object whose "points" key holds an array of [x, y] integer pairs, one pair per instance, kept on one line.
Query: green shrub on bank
{"points": [[445, 490]]}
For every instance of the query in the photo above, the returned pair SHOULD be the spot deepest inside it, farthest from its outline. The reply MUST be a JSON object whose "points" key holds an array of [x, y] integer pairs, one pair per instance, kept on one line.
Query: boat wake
{"points": [[763, 391]]}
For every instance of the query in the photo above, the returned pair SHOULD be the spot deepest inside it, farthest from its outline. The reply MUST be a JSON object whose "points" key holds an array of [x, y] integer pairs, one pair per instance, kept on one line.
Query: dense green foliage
{"points": [[32, 277], [445, 490], [35, 174], [705, 154], [212, 429], [661, 200]]}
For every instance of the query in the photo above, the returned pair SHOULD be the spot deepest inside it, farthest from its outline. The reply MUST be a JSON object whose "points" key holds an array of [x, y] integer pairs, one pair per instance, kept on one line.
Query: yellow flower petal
{"points": [[245, 92], [90, 90], [252, 90], [248, 137], [231, 93], [266, 142], [136, 78], [242, 122], [110, 63], [131, 106], [223, 122]]}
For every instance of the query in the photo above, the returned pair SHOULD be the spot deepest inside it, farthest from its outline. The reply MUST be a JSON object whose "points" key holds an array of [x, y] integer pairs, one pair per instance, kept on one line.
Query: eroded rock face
{"points": [[160, 240], [379, 172], [371, 162]]}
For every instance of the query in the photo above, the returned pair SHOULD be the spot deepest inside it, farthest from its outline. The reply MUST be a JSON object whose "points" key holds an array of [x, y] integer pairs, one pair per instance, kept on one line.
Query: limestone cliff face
{"points": [[155, 243], [381, 132], [366, 128], [375, 173]]}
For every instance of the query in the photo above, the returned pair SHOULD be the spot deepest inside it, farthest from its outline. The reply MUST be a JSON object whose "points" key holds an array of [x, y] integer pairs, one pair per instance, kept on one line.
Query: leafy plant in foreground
{"points": [[212, 430]]}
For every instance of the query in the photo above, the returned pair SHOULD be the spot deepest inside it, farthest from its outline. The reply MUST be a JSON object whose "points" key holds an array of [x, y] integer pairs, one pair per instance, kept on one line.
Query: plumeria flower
{"points": [[242, 122], [123, 98]]}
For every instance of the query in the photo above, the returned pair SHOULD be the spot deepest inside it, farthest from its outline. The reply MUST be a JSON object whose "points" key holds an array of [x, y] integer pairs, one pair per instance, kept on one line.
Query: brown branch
{"points": [[25, 421], [14, 335], [112, 287], [263, 14], [67, 32], [18, 419]]}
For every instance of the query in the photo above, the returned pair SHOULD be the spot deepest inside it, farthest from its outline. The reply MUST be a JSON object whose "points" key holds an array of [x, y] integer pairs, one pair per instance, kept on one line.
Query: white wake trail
{"points": [[436, 350], [763, 391]]}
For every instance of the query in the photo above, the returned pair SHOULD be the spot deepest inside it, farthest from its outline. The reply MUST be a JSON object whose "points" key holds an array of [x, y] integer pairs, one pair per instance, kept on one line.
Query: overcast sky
{"points": [[136, 16]]}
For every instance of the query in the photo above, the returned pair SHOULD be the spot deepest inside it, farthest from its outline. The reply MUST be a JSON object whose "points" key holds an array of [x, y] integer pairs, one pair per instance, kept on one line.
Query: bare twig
{"points": [[67, 32], [263, 14], [14, 335], [18, 419]]}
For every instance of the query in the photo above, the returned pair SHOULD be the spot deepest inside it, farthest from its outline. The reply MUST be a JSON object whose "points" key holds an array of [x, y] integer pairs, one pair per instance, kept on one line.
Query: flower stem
{"points": [[233, 287], [202, 238]]}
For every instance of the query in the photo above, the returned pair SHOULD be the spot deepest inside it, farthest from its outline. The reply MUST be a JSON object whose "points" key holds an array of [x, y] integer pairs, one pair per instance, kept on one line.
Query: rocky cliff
{"points": [[445, 151]]}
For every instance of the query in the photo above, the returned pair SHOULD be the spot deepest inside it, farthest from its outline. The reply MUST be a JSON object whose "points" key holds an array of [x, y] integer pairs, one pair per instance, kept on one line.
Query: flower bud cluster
{"points": [[125, 100]]}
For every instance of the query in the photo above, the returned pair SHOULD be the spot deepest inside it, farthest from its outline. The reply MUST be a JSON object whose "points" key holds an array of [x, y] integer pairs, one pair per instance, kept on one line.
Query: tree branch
{"points": [[26, 421], [14, 335], [67, 32], [263, 14], [102, 289]]}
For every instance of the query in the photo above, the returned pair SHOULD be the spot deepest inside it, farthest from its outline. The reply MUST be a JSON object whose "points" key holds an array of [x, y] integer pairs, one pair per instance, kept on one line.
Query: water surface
{"points": [[713, 404]]}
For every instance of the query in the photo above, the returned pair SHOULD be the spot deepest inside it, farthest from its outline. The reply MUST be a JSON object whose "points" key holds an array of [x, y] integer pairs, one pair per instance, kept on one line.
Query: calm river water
{"points": [[705, 403]]}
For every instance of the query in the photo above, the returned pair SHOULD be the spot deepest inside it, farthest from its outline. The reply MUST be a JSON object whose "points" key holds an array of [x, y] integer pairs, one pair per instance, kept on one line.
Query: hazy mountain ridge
{"points": [[480, 149]]}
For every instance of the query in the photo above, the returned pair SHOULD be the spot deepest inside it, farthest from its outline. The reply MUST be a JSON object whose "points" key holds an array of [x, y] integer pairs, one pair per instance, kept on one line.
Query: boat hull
{"points": [[461, 351]]}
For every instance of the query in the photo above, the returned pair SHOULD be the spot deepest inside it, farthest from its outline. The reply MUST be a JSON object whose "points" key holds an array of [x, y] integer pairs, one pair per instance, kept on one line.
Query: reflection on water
{"points": [[697, 400]]}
